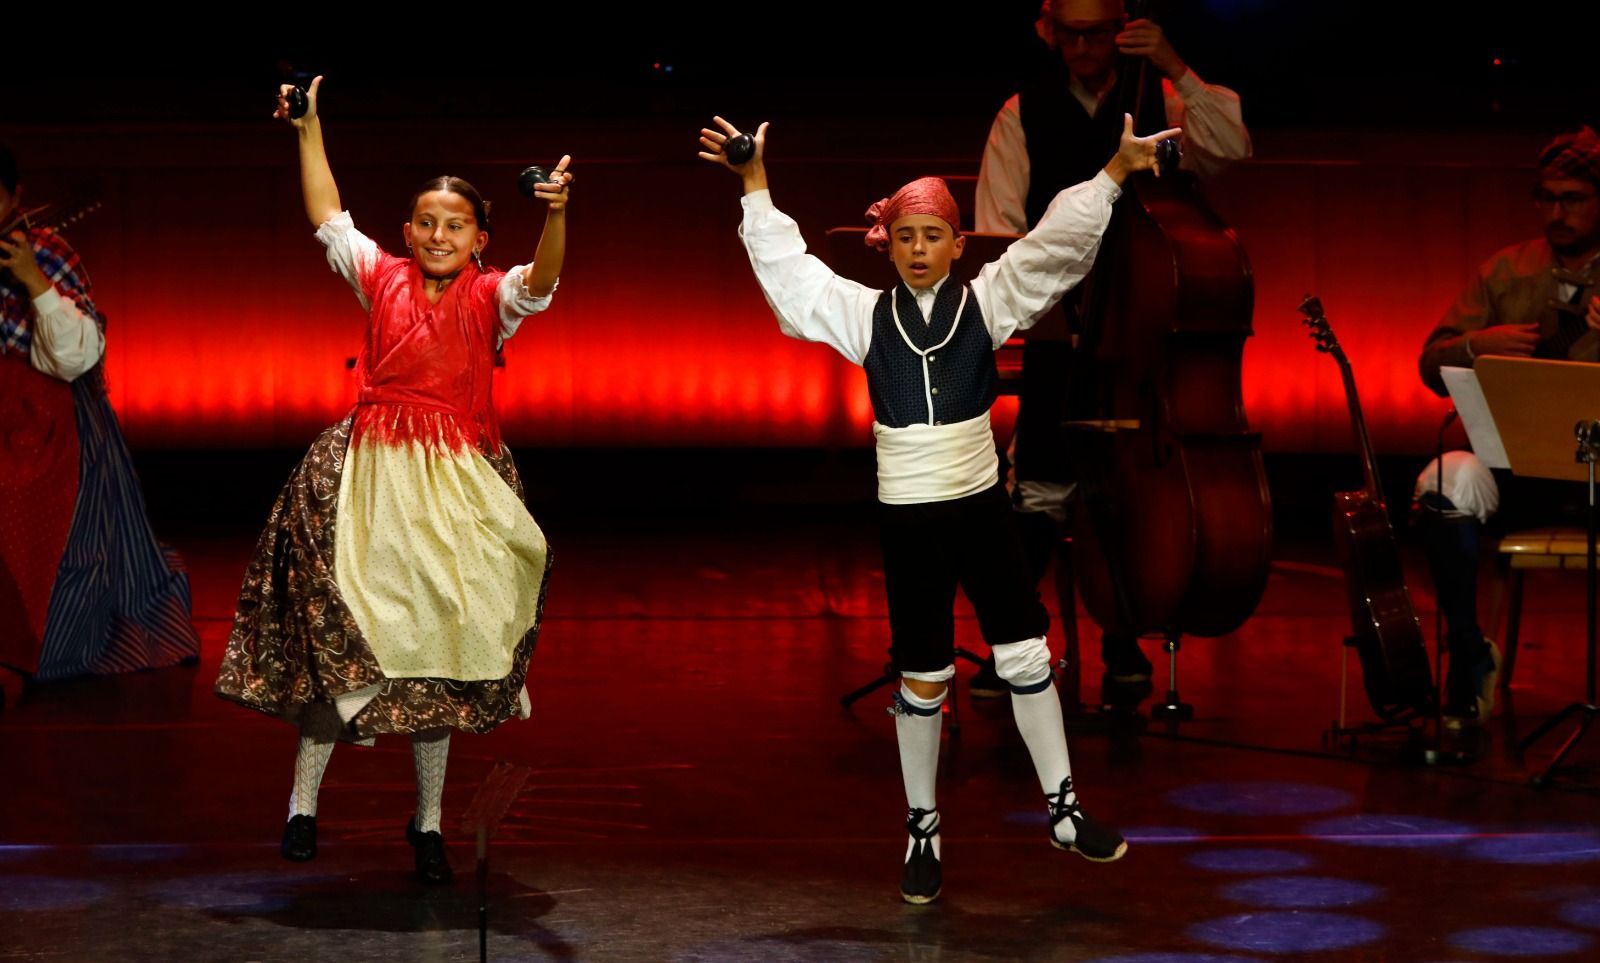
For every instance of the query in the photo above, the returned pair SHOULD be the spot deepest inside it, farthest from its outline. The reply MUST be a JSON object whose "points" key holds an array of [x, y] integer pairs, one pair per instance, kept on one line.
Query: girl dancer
{"points": [[398, 585]]}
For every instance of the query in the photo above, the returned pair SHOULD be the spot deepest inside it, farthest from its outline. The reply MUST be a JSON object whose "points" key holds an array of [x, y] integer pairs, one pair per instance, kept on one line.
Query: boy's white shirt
{"points": [[923, 463]]}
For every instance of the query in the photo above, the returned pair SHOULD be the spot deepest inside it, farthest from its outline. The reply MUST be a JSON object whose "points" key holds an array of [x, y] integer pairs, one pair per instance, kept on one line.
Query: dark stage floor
{"points": [[697, 793]]}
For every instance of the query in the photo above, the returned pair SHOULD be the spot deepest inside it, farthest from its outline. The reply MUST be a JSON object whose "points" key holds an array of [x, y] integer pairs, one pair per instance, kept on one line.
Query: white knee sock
{"points": [[429, 750], [916, 729], [309, 763], [1038, 715]]}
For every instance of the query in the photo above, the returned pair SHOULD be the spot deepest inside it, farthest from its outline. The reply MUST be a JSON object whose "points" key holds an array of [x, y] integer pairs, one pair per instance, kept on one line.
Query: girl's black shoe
{"points": [[432, 865], [299, 839]]}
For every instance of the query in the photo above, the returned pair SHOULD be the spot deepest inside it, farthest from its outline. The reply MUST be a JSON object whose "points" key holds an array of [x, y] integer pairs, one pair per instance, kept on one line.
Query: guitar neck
{"points": [[1358, 425]]}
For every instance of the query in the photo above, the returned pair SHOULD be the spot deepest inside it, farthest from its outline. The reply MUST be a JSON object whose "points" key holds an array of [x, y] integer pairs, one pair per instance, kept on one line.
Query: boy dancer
{"points": [[928, 350]]}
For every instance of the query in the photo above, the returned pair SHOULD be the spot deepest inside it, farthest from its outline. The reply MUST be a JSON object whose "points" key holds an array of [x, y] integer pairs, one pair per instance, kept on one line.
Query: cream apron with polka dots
{"points": [[438, 560]]}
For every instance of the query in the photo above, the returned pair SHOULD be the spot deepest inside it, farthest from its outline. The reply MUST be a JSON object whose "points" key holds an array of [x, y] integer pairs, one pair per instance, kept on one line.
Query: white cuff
{"points": [[757, 200], [1104, 184], [1022, 663], [1189, 84], [47, 302], [942, 675]]}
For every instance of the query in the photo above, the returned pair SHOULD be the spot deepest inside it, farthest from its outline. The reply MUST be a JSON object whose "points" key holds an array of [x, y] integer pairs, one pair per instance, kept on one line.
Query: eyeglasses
{"points": [[1567, 200], [1100, 33]]}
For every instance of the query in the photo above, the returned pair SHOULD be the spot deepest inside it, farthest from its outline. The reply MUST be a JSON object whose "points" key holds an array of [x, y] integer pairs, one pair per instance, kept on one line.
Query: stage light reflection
{"points": [[1248, 860], [765, 950], [251, 892], [17, 852], [1172, 959], [1260, 798], [139, 852], [1161, 834], [1296, 931], [41, 894], [1539, 846], [1301, 892], [1521, 941], [1582, 912], [1390, 830]]}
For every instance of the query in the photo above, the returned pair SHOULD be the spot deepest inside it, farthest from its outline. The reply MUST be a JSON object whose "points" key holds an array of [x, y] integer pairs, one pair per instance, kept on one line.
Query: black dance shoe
{"points": [[299, 839], [1092, 841], [432, 866], [922, 879]]}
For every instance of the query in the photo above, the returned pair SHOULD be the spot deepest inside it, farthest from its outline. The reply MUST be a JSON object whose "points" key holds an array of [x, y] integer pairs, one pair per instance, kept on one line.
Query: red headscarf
{"points": [[1575, 155], [925, 195]]}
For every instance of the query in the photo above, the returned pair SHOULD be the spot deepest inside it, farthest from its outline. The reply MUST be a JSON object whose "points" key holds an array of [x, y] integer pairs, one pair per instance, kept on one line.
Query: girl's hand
{"points": [[311, 106], [556, 192]]}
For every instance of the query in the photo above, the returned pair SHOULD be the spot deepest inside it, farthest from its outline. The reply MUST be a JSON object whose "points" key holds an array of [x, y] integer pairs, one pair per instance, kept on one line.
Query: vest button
{"points": [[932, 358], [938, 422], [935, 391]]}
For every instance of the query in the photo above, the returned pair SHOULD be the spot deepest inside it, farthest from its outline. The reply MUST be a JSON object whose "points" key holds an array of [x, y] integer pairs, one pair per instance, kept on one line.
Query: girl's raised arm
{"points": [[316, 177], [546, 267]]}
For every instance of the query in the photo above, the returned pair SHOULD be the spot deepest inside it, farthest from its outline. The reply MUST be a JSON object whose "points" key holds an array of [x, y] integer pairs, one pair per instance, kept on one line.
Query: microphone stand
{"points": [[1588, 434], [1437, 755]]}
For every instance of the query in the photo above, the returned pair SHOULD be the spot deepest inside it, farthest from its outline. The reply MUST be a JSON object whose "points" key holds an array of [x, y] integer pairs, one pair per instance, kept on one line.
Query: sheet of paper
{"points": [[1462, 383]]}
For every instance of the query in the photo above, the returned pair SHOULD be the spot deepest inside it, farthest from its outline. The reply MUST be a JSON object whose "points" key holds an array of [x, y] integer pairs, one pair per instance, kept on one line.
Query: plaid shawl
{"points": [[61, 265]]}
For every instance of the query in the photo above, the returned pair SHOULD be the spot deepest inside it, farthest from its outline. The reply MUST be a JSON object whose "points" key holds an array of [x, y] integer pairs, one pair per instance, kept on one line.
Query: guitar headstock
{"points": [[1321, 330]]}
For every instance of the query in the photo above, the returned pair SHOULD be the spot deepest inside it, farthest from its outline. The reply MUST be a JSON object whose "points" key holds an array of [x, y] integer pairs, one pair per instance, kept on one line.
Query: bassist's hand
{"points": [[1145, 38], [1593, 317], [1515, 340]]}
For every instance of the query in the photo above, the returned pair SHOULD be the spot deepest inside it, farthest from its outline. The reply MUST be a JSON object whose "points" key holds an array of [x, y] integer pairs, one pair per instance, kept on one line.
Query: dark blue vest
{"points": [[959, 378]]}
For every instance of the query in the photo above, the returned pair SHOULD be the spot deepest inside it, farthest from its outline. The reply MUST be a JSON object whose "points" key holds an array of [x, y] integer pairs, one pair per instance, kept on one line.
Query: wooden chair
{"points": [[1535, 548]]}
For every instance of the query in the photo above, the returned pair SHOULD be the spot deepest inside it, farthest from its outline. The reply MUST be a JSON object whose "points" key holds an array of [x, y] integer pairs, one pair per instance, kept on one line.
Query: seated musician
{"points": [[1054, 133], [84, 585], [1540, 299]]}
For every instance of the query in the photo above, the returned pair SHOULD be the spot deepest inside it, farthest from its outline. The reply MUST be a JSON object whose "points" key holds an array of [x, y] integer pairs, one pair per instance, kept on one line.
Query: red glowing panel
{"points": [[660, 336]]}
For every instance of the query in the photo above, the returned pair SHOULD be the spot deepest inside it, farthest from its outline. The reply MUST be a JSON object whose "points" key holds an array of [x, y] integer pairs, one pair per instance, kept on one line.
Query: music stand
{"points": [[1532, 402]]}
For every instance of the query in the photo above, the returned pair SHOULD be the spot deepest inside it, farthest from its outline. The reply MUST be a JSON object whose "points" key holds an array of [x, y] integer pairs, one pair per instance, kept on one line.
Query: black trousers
{"points": [[1454, 548], [931, 548]]}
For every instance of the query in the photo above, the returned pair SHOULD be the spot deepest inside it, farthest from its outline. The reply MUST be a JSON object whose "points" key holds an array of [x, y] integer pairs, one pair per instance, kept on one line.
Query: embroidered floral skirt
{"points": [[297, 647]]}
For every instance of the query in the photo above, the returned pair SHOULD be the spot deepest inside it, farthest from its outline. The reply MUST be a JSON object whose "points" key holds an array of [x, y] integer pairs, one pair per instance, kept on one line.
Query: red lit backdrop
{"points": [[227, 329]]}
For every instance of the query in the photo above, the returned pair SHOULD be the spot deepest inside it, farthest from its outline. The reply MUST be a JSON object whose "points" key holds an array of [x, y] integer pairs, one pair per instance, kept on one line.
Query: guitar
{"points": [[1385, 631]]}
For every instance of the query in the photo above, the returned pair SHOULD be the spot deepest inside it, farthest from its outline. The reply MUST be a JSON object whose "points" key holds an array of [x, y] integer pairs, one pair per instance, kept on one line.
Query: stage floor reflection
{"points": [[695, 792]]}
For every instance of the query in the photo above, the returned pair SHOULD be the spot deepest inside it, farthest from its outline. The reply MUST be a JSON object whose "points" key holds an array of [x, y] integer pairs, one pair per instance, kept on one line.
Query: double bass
{"points": [[1173, 532]]}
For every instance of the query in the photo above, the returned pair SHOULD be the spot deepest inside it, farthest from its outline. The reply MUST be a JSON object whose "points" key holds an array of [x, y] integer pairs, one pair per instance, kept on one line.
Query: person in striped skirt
{"points": [[85, 587]]}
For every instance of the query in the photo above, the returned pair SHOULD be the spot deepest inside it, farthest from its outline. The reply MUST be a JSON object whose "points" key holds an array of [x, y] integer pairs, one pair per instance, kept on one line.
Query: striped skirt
{"points": [[119, 600]]}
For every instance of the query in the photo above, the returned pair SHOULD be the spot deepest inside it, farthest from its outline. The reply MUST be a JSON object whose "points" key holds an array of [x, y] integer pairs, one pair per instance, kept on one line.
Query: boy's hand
{"points": [[556, 192], [753, 171], [1137, 153], [299, 123]]}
